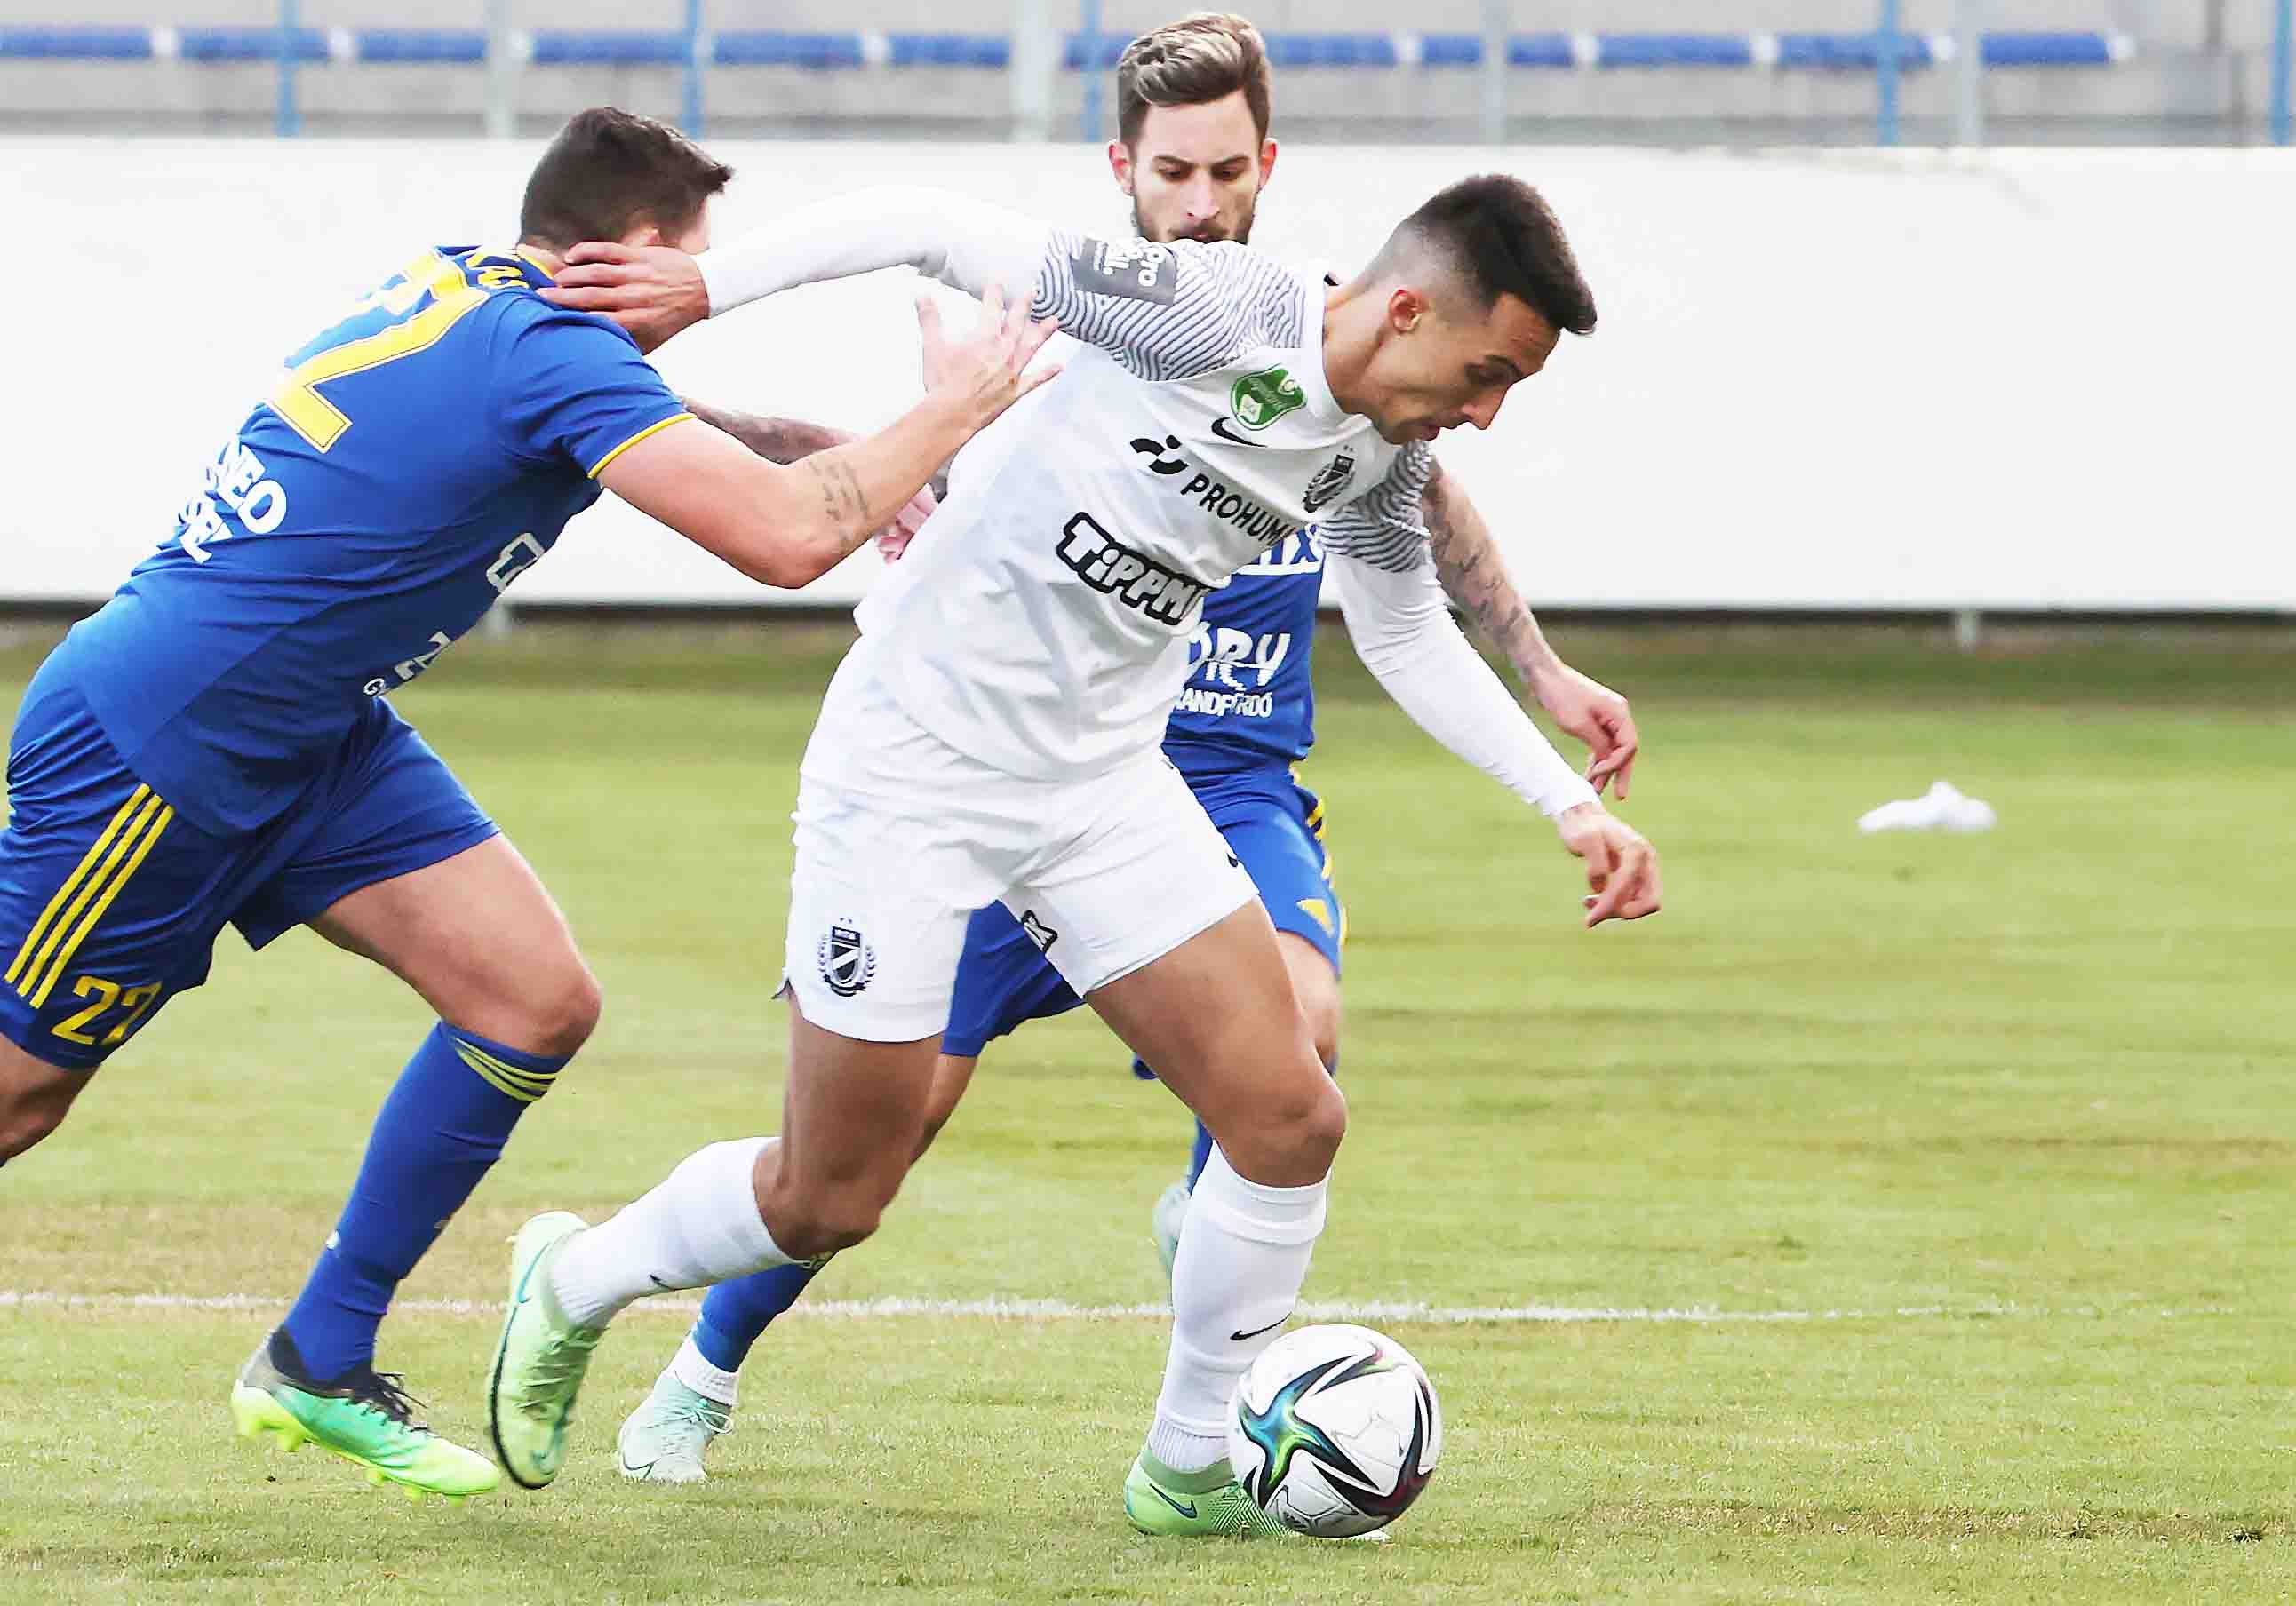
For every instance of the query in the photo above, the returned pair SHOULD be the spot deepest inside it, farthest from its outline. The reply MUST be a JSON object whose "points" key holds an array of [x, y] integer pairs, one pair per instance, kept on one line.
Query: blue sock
{"points": [[734, 1313], [1201, 1155], [442, 1127]]}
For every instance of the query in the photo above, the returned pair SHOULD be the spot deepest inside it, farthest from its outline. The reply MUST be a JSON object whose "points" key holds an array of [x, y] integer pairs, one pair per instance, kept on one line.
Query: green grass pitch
{"points": [[1976, 1149]]}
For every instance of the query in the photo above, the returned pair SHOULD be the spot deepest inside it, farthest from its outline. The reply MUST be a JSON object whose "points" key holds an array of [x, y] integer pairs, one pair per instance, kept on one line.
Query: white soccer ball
{"points": [[1334, 1430]]}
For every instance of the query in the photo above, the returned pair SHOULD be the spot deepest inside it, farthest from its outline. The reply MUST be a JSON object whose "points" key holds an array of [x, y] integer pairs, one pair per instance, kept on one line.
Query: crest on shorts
{"points": [[1330, 480], [1038, 932], [1259, 399], [848, 963]]}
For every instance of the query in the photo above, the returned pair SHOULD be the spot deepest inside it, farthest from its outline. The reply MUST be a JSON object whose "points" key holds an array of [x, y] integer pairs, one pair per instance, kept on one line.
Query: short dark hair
{"points": [[1205, 56], [1504, 240], [610, 171]]}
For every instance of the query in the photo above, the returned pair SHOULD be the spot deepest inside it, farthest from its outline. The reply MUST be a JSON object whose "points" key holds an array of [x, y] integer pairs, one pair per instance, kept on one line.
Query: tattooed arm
{"points": [[775, 439], [1469, 565]]}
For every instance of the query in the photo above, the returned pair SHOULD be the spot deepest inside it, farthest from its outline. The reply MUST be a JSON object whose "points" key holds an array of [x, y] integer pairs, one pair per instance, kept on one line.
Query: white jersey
{"points": [[1042, 622]]}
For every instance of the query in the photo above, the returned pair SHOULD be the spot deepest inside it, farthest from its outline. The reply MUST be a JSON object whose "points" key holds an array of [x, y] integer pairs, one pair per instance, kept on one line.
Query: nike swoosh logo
{"points": [[1188, 1511], [1238, 1338], [659, 1283], [1235, 863], [1220, 428]]}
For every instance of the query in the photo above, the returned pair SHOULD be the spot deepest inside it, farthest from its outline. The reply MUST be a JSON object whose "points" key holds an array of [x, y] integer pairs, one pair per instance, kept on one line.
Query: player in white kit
{"points": [[995, 735]]}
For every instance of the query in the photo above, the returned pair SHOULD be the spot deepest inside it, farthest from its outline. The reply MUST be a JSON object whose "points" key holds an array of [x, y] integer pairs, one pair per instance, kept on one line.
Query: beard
{"points": [[1243, 236]]}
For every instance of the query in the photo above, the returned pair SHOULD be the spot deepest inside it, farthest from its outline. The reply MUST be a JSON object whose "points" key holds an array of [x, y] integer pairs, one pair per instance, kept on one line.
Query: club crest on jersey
{"points": [[1259, 399], [848, 963], [1330, 480]]}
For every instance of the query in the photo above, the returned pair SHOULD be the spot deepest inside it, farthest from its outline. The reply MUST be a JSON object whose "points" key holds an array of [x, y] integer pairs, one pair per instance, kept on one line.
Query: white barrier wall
{"points": [[2030, 379]]}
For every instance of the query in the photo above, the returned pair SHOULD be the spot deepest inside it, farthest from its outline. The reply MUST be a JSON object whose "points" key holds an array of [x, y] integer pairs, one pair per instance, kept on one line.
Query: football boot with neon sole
{"points": [[539, 1360], [1210, 1505], [364, 1416]]}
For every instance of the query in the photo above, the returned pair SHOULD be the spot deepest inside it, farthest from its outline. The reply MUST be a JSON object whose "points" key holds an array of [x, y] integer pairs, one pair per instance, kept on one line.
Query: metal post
{"points": [[689, 116], [2283, 32], [1885, 77], [502, 73], [1033, 66], [1968, 74], [288, 122], [1089, 26], [1498, 23]]}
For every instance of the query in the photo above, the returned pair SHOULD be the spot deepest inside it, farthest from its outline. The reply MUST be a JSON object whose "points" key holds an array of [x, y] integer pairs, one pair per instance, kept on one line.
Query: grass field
{"points": [[1972, 1155]]}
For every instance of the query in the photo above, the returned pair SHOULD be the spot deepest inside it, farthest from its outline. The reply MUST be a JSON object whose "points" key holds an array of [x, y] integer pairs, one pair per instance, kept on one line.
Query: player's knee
{"points": [[810, 1222], [563, 1011], [1293, 1138]]}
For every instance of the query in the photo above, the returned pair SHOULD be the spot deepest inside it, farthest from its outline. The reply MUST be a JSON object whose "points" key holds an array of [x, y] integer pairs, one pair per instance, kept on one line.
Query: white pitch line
{"points": [[1061, 1310]]}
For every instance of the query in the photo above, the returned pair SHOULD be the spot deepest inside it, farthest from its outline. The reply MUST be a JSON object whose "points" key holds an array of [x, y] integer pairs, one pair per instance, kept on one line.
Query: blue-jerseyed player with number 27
{"points": [[1192, 153], [214, 747]]}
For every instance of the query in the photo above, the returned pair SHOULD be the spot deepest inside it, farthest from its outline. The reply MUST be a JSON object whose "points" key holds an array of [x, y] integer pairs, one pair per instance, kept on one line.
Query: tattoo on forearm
{"points": [[843, 504], [1473, 577], [783, 441]]}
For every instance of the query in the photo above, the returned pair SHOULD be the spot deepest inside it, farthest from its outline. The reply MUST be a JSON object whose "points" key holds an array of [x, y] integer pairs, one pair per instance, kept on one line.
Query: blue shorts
{"points": [[1273, 824], [111, 903]]}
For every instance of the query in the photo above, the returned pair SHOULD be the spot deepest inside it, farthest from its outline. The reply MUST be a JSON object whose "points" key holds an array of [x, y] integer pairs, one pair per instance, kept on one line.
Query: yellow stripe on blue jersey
{"points": [[599, 467], [32, 938]]}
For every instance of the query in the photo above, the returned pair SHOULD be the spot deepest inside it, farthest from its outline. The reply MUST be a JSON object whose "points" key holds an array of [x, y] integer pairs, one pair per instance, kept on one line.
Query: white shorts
{"points": [[900, 838]]}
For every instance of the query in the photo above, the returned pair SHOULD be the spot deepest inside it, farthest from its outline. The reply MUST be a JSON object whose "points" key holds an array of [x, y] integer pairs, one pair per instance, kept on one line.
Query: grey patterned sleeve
{"points": [[1167, 312], [1384, 527]]}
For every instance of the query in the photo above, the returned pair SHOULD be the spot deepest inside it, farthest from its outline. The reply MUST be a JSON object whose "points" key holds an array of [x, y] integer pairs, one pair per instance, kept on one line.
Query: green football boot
{"points": [[364, 1416], [540, 1359], [1210, 1505]]}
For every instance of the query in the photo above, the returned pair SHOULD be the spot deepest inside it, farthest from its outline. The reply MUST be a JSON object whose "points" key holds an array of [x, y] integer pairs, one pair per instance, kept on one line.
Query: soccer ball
{"points": [[1334, 1430]]}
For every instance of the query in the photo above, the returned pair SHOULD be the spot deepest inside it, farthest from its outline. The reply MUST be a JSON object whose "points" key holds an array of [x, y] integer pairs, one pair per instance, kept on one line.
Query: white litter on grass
{"points": [[1061, 1310], [1945, 806]]}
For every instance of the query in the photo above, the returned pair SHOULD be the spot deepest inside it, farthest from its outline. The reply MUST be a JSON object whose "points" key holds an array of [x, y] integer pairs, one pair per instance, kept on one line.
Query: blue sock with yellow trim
{"points": [[443, 1126], [736, 1314]]}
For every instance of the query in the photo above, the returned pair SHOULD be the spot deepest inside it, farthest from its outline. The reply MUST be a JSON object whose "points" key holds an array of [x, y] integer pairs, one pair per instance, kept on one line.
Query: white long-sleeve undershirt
{"points": [[965, 243], [1402, 627]]}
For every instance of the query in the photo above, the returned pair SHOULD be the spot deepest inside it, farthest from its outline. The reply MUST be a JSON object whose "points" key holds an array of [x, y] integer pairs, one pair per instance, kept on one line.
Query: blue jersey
{"points": [[415, 458], [1251, 701]]}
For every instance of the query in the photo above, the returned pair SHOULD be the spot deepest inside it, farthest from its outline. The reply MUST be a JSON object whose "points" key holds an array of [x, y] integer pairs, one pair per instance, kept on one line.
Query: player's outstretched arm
{"points": [[789, 526], [1402, 630], [787, 440], [1198, 300], [1474, 574]]}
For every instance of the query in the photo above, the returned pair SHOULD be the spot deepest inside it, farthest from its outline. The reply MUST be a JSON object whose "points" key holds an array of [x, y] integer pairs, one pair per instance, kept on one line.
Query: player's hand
{"points": [[1598, 717], [894, 539], [652, 290], [983, 373], [1621, 867]]}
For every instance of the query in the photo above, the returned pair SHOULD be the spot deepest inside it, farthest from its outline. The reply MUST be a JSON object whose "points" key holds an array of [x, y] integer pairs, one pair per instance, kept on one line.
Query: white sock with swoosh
{"points": [[699, 1227], [1244, 1250]]}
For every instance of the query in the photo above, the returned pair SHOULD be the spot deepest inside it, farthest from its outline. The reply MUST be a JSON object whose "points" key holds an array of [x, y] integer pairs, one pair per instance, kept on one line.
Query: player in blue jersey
{"points": [[214, 746], [1193, 153]]}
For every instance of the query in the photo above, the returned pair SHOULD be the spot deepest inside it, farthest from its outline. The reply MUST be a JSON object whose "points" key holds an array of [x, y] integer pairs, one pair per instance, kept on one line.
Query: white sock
{"points": [[1244, 1254], [700, 1227], [696, 1369]]}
